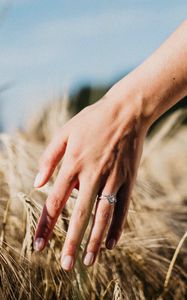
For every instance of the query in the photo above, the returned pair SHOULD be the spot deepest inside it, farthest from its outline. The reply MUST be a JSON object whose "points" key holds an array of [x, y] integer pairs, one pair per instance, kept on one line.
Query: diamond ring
{"points": [[110, 197]]}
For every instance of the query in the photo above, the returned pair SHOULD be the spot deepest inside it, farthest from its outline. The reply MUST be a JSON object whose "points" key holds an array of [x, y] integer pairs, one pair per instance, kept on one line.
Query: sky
{"points": [[47, 46]]}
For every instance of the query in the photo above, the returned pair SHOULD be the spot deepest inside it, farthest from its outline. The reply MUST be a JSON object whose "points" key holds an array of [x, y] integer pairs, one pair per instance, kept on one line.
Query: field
{"points": [[150, 261]]}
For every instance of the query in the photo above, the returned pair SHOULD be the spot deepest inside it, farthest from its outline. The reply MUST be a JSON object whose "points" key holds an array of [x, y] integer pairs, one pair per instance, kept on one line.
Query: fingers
{"points": [[50, 158], [78, 223], [65, 182], [103, 214], [119, 215]]}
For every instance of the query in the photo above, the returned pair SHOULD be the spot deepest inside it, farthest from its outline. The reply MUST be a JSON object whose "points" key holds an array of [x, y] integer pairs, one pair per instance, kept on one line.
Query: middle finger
{"points": [[78, 222]]}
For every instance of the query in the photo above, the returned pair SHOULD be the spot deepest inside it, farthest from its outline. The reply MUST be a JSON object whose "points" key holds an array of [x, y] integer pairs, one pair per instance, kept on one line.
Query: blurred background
{"points": [[82, 47]]}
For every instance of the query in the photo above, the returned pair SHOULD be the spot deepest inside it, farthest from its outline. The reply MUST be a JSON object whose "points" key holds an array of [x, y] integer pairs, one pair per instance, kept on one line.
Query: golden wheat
{"points": [[139, 267]]}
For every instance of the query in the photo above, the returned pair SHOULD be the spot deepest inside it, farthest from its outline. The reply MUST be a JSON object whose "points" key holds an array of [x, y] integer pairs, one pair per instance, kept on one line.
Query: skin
{"points": [[101, 147]]}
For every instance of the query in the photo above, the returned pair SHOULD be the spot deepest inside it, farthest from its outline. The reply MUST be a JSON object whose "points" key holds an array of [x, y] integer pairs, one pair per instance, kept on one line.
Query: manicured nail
{"points": [[39, 244], [67, 262], [89, 258], [38, 180], [111, 243]]}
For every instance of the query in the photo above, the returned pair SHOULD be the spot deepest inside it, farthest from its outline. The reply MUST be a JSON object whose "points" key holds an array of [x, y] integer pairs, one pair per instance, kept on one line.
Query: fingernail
{"points": [[111, 243], [39, 244], [89, 258], [67, 262], [38, 180]]}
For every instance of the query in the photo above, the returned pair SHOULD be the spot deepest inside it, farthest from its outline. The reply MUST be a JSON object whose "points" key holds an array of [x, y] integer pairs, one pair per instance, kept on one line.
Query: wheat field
{"points": [[150, 261]]}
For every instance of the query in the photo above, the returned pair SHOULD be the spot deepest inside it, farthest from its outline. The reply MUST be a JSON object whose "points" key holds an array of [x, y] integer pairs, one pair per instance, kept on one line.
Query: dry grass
{"points": [[138, 267]]}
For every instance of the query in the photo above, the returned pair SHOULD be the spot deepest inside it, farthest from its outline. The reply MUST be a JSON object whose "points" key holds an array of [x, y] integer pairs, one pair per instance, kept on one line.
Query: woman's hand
{"points": [[101, 147]]}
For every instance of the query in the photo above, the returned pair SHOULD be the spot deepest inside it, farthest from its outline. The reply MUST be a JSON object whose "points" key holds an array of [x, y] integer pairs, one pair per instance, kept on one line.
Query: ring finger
{"points": [[103, 213]]}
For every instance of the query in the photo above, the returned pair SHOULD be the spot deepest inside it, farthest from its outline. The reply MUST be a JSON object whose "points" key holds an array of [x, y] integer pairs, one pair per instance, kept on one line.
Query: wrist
{"points": [[128, 101]]}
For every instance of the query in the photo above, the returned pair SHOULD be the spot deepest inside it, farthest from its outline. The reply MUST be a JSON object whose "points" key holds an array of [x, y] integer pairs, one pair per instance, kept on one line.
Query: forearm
{"points": [[159, 82]]}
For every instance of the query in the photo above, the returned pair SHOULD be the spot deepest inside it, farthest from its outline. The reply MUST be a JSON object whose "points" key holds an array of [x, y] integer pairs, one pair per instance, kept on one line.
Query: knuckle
{"points": [[69, 175], [67, 169], [71, 245], [94, 244], [54, 203], [45, 162], [80, 213], [50, 156], [73, 158], [75, 153], [49, 159], [54, 197]]}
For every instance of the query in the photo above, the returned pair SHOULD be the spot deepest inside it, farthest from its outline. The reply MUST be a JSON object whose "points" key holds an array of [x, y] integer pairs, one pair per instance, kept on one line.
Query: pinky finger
{"points": [[119, 216]]}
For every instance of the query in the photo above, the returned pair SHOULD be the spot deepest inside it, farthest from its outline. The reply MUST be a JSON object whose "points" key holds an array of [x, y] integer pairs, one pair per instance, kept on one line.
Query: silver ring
{"points": [[110, 197]]}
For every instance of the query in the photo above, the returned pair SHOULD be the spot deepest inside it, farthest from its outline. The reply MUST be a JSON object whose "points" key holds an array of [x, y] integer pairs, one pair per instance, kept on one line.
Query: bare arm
{"points": [[160, 81]]}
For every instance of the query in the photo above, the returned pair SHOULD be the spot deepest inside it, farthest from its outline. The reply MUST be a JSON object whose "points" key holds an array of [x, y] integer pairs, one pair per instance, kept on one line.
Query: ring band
{"points": [[110, 197]]}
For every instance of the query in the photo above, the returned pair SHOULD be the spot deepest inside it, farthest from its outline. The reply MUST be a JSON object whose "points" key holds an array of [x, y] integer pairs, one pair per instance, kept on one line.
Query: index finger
{"points": [[51, 157], [65, 182]]}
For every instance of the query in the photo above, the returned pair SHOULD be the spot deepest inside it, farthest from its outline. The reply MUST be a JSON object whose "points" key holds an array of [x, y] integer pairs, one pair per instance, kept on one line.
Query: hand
{"points": [[101, 148]]}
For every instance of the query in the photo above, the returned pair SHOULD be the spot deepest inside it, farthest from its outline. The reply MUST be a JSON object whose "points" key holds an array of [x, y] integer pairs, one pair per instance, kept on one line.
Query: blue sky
{"points": [[46, 46]]}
